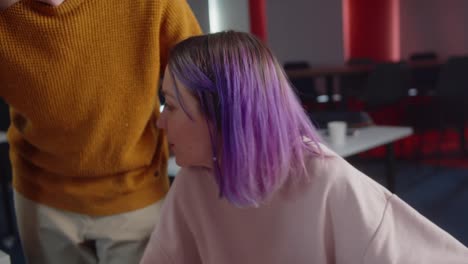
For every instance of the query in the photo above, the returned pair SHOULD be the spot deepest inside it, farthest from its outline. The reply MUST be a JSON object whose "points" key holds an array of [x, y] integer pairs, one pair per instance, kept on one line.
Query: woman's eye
{"points": [[168, 107]]}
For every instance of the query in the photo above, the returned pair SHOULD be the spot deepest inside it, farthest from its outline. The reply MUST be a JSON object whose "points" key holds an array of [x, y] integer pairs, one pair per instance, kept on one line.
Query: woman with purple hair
{"points": [[257, 186]]}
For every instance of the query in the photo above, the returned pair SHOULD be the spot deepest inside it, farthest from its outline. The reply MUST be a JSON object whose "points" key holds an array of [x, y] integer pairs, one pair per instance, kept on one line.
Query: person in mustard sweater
{"points": [[89, 164]]}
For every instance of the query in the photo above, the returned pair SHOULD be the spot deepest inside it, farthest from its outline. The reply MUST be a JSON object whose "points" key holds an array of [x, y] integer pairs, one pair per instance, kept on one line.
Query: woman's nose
{"points": [[161, 123]]}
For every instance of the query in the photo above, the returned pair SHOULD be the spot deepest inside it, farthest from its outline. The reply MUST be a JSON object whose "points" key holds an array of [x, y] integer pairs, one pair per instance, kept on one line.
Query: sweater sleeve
{"points": [[371, 225], [178, 23], [173, 241], [154, 253], [405, 236]]}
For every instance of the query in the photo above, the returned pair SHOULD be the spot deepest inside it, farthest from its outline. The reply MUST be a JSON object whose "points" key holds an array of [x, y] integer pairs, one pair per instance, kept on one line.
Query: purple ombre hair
{"points": [[259, 132]]}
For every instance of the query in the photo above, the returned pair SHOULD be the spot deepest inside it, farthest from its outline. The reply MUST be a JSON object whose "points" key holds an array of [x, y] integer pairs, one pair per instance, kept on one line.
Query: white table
{"points": [[370, 137], [366, 138], [4, 258]]}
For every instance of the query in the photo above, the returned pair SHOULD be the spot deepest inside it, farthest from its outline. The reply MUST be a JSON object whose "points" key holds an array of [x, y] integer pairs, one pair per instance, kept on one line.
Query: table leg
{"points": [[329, 90], [391, 168]]}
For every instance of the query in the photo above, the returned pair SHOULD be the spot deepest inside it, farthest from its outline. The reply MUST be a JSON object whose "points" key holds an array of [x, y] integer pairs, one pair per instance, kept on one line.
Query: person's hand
{"points": [[4, 4]]}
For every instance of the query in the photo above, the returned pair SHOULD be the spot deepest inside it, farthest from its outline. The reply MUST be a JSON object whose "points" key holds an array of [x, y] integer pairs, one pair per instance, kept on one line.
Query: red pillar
{"points": [[258, 18], [371, 29]]}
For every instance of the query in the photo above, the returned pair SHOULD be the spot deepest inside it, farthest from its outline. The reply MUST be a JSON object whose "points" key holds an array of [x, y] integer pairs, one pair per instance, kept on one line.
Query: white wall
{"points": [[229, 14], [313, 29], [434, 25], [219, 15], [309, 30], [200, 9]]}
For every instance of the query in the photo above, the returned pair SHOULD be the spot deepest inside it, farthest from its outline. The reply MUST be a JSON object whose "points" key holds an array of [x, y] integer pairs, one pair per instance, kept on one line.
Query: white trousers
{"points": [[53, 236]]}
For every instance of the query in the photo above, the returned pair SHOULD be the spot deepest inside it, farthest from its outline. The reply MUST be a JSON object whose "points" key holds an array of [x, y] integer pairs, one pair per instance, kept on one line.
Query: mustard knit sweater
{"points": [[81, 80]]}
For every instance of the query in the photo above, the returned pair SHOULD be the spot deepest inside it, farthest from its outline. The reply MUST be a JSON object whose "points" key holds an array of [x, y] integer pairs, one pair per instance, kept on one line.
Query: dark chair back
{"points": [[424, 79], [304, 86], [452, 90], [387, 84], [453, 79], [423, 56], [452, 96], [352, 85], [360, 61], [296, 65]]}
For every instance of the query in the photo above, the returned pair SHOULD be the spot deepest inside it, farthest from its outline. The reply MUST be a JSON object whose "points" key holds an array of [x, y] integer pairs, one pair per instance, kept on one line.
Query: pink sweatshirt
{"points": [[338, 216]]}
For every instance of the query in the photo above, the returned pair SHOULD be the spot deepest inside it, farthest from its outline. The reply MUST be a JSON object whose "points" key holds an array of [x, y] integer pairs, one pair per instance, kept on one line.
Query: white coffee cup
{"points": [[337, 132]]}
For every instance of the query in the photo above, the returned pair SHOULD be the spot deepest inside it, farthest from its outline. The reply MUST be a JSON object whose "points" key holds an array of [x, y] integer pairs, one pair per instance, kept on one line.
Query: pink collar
{"points": [[52, 2]]}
